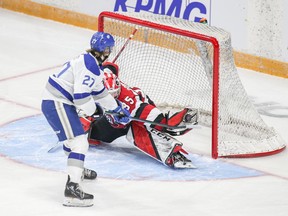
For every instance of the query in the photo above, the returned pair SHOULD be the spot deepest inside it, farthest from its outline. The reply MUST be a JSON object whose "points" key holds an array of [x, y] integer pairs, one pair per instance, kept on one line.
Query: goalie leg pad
{"points": [[143, 140], [159, 145]]}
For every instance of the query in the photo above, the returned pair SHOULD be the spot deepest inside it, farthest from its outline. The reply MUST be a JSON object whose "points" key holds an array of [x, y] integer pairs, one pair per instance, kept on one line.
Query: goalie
{"points": [[156, 141]]}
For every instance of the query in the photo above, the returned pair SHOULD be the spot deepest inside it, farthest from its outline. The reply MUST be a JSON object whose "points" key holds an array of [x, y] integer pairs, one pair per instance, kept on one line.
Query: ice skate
{"points": [[178, 160], [89, 174], [75, 197]]}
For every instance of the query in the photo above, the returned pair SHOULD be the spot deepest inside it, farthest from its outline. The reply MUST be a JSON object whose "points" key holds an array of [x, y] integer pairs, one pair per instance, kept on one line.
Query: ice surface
{"points": [[32, 180]]}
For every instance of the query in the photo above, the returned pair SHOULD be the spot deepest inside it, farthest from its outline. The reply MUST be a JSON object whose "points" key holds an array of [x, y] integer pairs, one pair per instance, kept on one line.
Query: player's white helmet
{"points": [[112, 83]]}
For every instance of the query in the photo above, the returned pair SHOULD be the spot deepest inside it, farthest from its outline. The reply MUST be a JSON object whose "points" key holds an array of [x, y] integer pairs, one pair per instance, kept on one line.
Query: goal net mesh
{"points": [[178, 70]]}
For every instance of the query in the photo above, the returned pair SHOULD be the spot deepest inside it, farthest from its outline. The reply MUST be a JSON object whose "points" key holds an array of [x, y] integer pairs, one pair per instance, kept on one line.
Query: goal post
{"points": [[179, 63]]}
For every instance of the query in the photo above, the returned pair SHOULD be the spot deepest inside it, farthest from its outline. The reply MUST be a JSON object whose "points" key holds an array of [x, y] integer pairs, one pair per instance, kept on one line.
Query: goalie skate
{"points": [[75, 197], [179, 161]]}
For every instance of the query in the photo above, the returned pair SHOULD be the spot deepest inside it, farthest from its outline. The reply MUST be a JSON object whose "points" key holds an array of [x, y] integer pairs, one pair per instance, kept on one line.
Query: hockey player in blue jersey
{"points": [[78, 86]]}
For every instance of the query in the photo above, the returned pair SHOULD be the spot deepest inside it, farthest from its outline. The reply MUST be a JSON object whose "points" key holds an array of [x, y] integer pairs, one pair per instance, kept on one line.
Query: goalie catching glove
{"points": [[188, 116], [119, 117]]}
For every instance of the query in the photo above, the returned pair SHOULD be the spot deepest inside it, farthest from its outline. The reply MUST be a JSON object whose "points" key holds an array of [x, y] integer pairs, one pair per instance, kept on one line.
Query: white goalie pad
{"points": [[154, 143], [164, 143]]}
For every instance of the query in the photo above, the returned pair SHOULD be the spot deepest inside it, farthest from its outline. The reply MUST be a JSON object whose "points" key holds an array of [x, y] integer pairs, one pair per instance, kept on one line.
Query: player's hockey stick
{"points": [[125, 44], [55, 148]]}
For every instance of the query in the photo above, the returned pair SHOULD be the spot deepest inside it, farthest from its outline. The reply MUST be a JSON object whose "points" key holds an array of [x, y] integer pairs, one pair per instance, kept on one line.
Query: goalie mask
{"points": [[112, 83], [111, 66]]}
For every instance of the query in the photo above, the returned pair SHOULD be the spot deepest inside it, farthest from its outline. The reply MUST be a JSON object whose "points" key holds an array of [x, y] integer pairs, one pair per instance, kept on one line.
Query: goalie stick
{"points": [[57, 146], [165, 125], [125, 44], [157, 123]]}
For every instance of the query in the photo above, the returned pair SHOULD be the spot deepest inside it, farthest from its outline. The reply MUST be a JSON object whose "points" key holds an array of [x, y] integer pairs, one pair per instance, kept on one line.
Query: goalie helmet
{"points": [[112, 83], [111, 66], [102, 43]]}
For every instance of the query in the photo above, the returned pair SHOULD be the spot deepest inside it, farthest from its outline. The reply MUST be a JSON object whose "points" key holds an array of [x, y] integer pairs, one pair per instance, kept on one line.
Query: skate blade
{"points": [[181, 165], [73, 202]]}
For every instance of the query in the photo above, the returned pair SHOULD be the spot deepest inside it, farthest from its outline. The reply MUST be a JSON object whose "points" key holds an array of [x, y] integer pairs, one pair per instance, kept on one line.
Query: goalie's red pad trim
{"points": [[94, 142], [177, 118], [180, 149], [143, 140], [86, 122]]}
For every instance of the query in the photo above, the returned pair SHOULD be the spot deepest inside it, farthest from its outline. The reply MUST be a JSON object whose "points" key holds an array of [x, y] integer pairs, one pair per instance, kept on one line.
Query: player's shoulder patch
{"points": [[91, 64]]}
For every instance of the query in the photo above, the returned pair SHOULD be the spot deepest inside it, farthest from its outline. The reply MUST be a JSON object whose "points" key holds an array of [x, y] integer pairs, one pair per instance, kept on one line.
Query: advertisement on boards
{"points": [[192, 10], [185, 9]]}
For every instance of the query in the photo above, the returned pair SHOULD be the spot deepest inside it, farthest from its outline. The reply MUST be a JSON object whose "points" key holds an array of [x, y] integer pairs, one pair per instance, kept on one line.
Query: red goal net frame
{"points": [[215, 69]]}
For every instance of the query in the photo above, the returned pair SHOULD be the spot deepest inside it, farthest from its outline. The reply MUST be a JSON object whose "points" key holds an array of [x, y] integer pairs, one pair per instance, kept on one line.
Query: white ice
{"points": [[31, 47]]}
